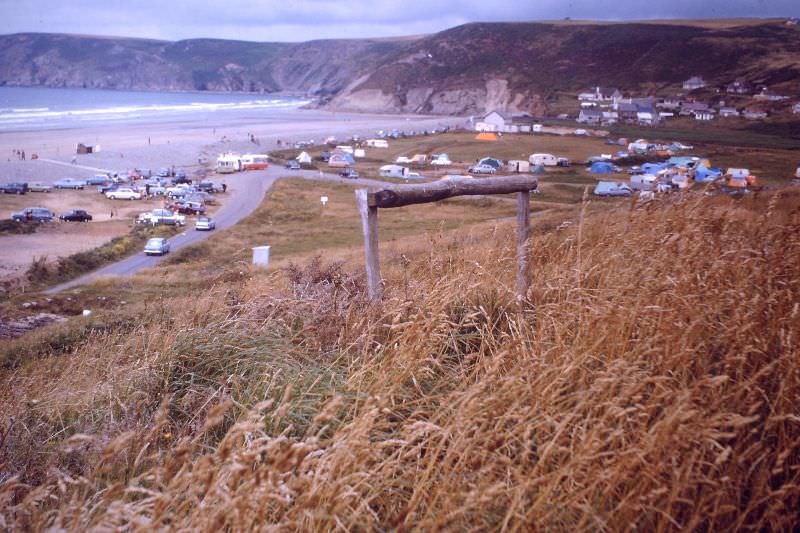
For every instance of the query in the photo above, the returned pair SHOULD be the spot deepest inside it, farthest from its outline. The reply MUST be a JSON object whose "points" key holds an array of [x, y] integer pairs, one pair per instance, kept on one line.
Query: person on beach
{"points": [[23, 155], [224, 187]]}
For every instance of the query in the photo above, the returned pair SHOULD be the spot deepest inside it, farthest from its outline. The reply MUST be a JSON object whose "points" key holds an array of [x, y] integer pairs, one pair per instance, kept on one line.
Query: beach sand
{"points": [[141, 145]]}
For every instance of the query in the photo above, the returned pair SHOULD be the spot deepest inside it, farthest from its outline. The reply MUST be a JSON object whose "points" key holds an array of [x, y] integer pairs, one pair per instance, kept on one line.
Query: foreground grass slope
{"points": [[651, 380]]}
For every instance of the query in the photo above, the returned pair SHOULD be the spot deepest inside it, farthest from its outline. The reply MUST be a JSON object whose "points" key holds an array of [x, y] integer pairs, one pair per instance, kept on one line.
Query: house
{"points": [[738, 87], [590, 116], [726, 112], [690, 108], [601, 94], [671, 102], [522, 123], [493, 121], [695, 82], [627, 111], [765, 94], [754, 114], [610, 117], [647, 116], [703, 116]]}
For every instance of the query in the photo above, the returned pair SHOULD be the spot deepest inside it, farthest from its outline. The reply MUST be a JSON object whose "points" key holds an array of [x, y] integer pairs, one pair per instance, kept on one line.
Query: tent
{"points": [[304, 158], [612, 188], [341, 160], [704, 174], [602, 167], [492, 162], [486, 136], [538, 169], [654, 168]]}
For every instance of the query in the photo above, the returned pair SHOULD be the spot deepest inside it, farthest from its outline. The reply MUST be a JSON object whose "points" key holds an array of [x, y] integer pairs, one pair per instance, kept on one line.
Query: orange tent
{"points": [[486, 136]]}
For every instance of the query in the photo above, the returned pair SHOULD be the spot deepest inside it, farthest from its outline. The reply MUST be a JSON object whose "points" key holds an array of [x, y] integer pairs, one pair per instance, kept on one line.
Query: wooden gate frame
{"points": [[369, 201]]}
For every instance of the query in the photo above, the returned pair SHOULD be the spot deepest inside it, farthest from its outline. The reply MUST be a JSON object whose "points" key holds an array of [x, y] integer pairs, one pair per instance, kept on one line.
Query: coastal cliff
{"points": [[468, 69]]}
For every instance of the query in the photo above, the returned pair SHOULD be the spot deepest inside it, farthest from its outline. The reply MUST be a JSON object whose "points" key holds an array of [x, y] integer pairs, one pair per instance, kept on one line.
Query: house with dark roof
{"points": [[738, 87], [590, 116], [601, 94]]}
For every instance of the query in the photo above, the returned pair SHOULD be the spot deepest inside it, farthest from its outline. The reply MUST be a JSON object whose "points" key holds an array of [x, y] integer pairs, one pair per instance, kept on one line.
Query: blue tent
{"points": [[602, 167], [654, 168], [703, 174]]}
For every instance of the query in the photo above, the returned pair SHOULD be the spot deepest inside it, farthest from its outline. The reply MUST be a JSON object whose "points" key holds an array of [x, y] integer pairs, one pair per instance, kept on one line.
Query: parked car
{"points": [[191, 208], [123, 193], [350, 173], [76, 215], [205, 224], [482, 169], [100, 179], [161, 216], [33, 214], [38, 186], [293, 164], [14, 188], [164, 172], [156, 246], [69, 183], [205, 186]]}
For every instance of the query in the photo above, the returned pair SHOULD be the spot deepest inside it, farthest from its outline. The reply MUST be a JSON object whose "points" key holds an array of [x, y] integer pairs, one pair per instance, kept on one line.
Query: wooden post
{"points": [[523, 239], [369, 223]]}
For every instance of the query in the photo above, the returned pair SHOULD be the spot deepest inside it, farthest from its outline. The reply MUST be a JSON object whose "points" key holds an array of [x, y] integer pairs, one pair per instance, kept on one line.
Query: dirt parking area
{"points": [[61, 201], [55, 240]]}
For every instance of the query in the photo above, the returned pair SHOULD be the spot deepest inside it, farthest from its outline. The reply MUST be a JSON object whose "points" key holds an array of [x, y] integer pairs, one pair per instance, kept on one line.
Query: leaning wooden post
{"points": [[523, 239], [369, 223]]}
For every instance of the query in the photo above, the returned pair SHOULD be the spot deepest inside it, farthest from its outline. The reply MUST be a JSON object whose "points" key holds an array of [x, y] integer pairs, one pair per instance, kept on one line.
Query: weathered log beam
{"points": [[420, 193]]}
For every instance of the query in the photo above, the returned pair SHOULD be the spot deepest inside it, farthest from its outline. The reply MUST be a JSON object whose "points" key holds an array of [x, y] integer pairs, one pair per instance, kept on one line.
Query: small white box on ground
{"points": [[261, 255]]}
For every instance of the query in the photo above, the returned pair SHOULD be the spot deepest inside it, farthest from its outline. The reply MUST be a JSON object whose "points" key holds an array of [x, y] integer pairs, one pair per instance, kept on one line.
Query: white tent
{"points": [[304, 158]]}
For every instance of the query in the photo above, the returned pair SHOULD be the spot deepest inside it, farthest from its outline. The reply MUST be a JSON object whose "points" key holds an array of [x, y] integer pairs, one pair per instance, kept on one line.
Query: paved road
{"points": [[246, 194]]}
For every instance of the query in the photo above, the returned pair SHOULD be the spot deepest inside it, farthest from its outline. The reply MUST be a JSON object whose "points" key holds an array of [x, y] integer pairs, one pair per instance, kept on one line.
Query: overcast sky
{"points": [[301, 20]]}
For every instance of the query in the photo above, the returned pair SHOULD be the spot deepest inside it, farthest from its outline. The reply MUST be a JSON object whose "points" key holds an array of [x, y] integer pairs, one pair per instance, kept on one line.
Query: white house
{"points": [[695, 82], [493, 121], [703, 116], [601, 94]]}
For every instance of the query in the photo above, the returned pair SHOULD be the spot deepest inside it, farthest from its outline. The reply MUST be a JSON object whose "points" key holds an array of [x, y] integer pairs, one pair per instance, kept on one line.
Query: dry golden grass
{"points": [[650, 380]]}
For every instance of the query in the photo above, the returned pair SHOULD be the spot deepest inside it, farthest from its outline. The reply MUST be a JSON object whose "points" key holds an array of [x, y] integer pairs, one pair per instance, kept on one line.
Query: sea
{"points": [[35, 108]]}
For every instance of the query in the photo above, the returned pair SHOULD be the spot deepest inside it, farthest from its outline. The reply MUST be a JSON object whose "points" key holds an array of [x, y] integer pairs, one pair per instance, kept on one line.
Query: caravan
{"points": [[255, 161], [548, 160], [229, 163], [643, 182], [377, 143], [393, 171]]}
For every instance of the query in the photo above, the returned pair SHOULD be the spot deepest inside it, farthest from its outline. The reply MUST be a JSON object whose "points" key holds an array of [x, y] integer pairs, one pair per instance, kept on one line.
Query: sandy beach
{"points": [[181, 143], [123, 147]]}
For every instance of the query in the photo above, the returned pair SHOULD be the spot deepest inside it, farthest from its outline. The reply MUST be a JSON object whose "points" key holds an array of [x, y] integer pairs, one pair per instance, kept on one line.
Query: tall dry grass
{"points": [[650, 381]]}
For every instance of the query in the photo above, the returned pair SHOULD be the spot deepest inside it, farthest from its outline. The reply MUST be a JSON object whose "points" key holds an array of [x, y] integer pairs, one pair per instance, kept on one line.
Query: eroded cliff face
{"points": [[494, 94], [469, 69]]}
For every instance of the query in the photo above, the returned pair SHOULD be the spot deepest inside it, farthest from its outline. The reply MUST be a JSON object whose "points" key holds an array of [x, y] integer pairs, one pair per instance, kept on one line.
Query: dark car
{"points": [[33, 214], [108, 187], [14, 188], [191, 208], [349, 173], [293, 164], [76, 215], [205, 186], [98, 180]]}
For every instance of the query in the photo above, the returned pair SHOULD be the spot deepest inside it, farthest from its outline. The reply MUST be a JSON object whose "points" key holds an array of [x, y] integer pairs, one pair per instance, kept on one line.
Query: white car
{"points": [[205, 224], [161, 216], [441, 162], [403, 160], [156, 246], [123, 194]]}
